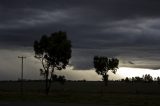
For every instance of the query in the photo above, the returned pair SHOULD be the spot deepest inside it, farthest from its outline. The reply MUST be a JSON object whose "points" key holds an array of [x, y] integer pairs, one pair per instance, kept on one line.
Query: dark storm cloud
{"points": [[115, 28]]}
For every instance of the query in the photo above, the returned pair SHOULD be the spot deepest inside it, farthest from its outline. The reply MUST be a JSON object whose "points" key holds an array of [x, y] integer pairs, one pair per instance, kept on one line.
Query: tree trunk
{"points": [[48, 84], [105, 78], [46, 89], [106, 83]]}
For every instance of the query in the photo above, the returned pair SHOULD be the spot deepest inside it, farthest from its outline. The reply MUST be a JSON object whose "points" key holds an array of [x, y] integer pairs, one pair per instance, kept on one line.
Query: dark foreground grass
{"points": [[117, 93], [112, 99]]}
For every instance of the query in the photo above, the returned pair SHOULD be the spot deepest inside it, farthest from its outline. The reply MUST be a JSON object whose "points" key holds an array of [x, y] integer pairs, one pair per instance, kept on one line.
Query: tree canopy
{"points": [[104, 64], [54, 50]]}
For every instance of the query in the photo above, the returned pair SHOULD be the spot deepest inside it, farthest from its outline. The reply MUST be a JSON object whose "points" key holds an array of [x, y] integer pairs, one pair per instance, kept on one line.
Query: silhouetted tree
{"points": [[132, 79], [158, 79], [103, 65], [127, 79], [147, 78], [138, 79], [54, 52], [122, 80], [60, 79]]}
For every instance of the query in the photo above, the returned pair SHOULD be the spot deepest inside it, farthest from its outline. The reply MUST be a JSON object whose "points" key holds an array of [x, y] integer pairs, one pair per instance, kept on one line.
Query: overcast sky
{"points": [[126, 29]]}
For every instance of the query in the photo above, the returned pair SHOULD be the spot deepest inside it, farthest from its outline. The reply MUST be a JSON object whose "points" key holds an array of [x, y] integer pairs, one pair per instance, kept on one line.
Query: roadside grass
{"points": [[116, 93], [110, 99]]}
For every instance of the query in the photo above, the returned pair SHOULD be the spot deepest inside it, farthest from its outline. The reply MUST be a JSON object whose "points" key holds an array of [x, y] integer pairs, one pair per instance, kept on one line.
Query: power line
{"points": [[22, 57]]}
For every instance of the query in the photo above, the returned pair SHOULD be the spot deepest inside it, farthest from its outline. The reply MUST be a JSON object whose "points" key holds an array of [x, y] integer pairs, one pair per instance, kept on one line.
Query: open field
{"points": [[116, 93]]}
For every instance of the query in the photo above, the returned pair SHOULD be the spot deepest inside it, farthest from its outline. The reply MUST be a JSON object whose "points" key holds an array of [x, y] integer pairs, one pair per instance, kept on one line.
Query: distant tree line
{"points": [[147, 78]]}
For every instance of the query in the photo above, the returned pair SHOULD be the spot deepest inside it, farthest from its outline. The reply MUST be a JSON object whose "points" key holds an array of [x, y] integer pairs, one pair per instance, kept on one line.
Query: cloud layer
{"points": [[126, 29]]}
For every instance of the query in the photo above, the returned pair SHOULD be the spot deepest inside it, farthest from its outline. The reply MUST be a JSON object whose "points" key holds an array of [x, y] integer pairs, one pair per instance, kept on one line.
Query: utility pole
{"points": [[22, 57]]}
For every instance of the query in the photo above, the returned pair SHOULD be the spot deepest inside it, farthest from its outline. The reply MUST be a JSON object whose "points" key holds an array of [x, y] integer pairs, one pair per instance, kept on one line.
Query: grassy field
{"points": [[116, 93]]}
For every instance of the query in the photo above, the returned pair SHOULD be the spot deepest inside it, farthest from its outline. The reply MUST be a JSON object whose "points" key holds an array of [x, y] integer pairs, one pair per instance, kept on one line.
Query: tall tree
{"points": [[54, 52], [103, 65]]}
